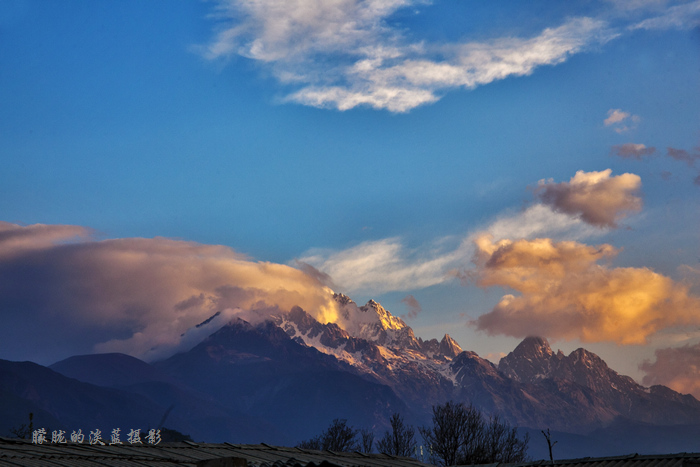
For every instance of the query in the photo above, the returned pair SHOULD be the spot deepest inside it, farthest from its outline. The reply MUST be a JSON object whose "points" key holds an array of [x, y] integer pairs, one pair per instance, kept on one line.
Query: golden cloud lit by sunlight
{"points": [[565, 293], [137, 295]]}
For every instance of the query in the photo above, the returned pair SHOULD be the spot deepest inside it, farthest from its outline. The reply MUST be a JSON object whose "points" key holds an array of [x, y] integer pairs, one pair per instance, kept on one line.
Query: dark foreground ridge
{"points": [[18, 452]]}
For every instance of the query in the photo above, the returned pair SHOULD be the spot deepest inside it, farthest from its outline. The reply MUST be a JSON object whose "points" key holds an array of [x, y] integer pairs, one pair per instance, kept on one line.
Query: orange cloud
{"points": [[677, 368], [595, 197], [565, 293], [60, 287]]}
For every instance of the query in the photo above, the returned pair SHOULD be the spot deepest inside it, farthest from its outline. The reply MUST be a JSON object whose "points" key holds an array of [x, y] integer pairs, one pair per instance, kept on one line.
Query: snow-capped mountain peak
{"points": [[386, 319], [373, 323]]}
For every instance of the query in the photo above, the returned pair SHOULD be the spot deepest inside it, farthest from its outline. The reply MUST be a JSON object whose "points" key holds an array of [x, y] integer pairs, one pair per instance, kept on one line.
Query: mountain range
{"points": [[285, 378]]}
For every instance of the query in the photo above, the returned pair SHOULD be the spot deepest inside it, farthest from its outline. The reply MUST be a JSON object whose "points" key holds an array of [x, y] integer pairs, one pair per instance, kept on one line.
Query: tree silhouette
{"points": [[462, 435], [24, 431], [550, 444], [338, 437], [400, 441]]}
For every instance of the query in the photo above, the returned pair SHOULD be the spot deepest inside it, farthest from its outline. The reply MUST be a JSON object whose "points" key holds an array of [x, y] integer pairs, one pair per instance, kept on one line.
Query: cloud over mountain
{"points": [[132, 295], [677, 368], [565, 293]]}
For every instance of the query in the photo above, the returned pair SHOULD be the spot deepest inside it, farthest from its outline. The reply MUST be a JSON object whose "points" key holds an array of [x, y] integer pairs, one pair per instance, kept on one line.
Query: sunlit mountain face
{"points": [[206, 184]]}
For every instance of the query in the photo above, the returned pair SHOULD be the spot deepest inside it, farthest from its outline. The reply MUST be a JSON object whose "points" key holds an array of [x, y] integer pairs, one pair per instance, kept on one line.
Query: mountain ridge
{"points": [[289, 375]]}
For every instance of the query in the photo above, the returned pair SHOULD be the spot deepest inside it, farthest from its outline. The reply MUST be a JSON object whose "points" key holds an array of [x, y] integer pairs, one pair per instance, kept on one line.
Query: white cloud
{"points": [[615, 116], [385, 265], [621, 121], [571, 210], [292, 30], [629, 5], [388, 265], [685, 16], [538, 220], [343, 53]]}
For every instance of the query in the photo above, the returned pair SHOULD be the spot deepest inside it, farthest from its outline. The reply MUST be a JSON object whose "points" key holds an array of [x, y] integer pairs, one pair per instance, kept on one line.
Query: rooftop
{"points": [[632, 460], [17, 452]]}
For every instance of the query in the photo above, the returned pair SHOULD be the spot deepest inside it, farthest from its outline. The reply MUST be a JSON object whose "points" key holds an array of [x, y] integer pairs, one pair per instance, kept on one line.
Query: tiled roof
{"points": [[632, 460], [186, 454], [15, 452]]}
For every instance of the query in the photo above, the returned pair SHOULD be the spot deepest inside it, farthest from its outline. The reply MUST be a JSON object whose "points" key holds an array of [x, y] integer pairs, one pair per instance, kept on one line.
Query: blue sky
{"points": [[374, 141]]}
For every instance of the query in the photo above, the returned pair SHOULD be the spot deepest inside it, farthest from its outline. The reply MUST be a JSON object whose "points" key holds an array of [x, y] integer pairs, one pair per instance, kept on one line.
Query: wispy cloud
{"points": [[682, 155], [633, 151], [538, 220], [343, 53], [596, 197], [684, 16], [565, 293], [630, 5], [690, 158], [389, 265], [621, 121], [413, 305]]}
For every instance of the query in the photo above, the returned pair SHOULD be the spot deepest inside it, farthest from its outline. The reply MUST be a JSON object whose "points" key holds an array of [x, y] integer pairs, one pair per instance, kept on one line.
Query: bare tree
{"points": [[400, 441], [24, 431], [338, 437], [550, 444], [455, 429], [366, 440], [501, 443], [461, 435]]}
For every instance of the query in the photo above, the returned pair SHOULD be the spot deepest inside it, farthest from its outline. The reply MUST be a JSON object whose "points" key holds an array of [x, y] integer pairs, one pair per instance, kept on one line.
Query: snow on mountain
{"points": [[381, 347], [532, 386], [292, 371], [367, 336]]}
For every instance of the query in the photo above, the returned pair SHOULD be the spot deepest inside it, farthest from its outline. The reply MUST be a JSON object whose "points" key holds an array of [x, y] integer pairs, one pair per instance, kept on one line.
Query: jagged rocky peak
{"points": [[372, 313], [342, 299], [533, 347], [588, 369], [449, 347], [373, 323], [531, 361], [386, 319]]}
